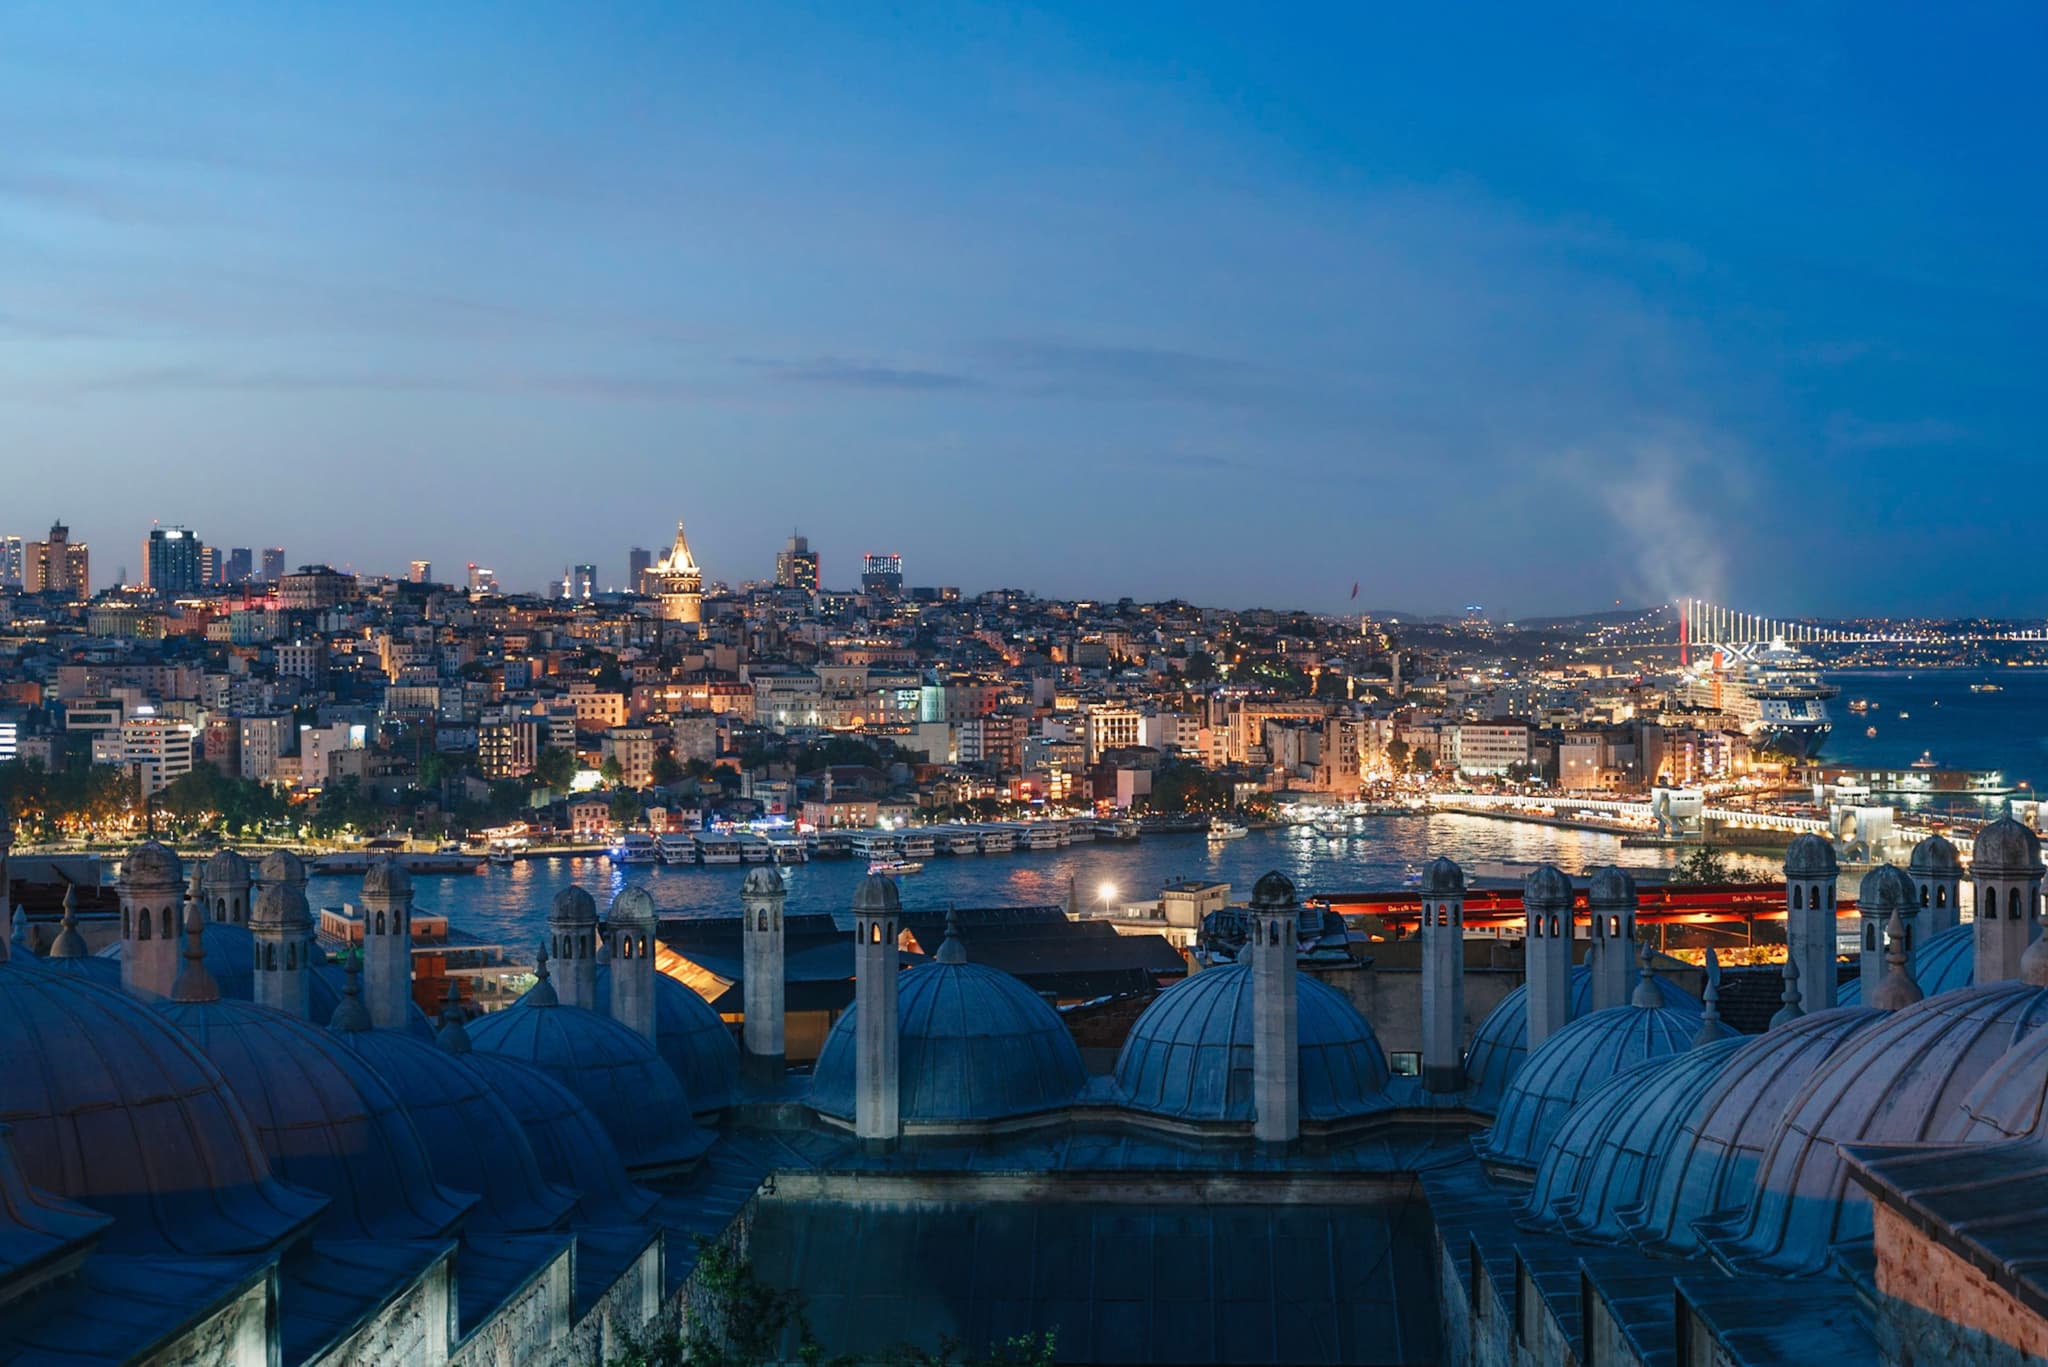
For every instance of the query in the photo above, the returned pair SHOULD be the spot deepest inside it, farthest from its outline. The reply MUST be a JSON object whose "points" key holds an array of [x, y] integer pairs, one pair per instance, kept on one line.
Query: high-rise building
{"points": [[13, 562], [240, 567], [796, 566], [579, 582], [678, 583], [171, 561], [57, 565], [482, 580], [209, 564], [273, 564], [638, 561], [422, 572], [882, 575]]}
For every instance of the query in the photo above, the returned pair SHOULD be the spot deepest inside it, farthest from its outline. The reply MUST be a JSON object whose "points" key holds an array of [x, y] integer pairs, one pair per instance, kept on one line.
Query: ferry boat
{"points": [[894, 868], [1125, 828], [1775, 694], [919, 845], [634, 847], [1079, 830], [676, 847], [998, 840], [875, 845], [1040, 835], [789, 849], [1987, 687], [833, 845], [961, 840], [500, 855], [718, 849], [754, 849], [1226, 830]]}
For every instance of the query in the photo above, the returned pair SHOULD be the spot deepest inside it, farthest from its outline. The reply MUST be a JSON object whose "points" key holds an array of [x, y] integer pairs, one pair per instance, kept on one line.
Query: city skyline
{"points": [[1249, 309]]}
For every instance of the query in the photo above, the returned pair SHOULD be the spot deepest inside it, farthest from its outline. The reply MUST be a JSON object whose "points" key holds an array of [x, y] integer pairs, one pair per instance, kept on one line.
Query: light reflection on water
{"points": [[510, 905]]}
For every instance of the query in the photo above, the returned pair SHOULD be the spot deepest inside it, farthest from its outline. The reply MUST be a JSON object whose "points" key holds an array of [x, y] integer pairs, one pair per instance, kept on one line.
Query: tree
{"points": [[666, 770], [554, 768], [625, 807], [1707, 865], [1397, 755], [613, 772], [1422, 761]]}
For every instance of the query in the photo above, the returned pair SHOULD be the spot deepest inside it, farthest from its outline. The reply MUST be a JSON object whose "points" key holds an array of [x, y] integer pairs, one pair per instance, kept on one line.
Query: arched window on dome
{"points": [[1614, 926], [1924, 892], [875, 933], [1991, 904], [1553, 927], [164, 924], [761, 920], [778, 920], [1273, 933], [1798, 903], [1870, 936], [380, 923], [1941, 897]]}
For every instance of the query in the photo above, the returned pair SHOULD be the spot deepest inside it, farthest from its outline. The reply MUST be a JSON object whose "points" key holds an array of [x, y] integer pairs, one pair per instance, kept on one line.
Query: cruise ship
{"points": [[1775, 694]]}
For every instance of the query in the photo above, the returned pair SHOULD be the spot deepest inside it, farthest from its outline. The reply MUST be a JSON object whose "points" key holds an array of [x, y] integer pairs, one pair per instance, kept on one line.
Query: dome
{"points": [[762, 880], [225, 870], [1273, 890], [1935, 856], [459, 1116], [1441, 877], [876, 893], [1901, 1080], [1810, 857], [634, 1095], [325, 1120], [568, 1143], [387, 878], [281, 905], [573, 907], [281, 866], [1707, 1161], [1944, 963], [151, 865], [973, 1044], [633, 906], [2006, 849], [1611, 886], [1566, 1069], [1502, 1040], [1596, 1165], [1548, 885], [231, 959], [691, 1038], [1189, 1056], [1886, 889], [126, 1115], [2007, 1101]]}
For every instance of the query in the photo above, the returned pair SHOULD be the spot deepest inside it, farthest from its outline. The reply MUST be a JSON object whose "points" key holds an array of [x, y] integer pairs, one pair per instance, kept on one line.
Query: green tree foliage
{"points": [[207, 799], [553, 768], [1708, 865], [613, 772], [346, 806], [1179, 786], [625, 807], [71, 801]]}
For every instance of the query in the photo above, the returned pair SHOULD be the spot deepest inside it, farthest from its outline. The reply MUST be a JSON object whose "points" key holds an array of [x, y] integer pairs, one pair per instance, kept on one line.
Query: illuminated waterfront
{"points": [[2006, 730]]}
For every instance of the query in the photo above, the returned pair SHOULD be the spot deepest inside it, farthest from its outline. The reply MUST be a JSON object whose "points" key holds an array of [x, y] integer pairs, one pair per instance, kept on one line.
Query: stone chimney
{"points": [[877, 919], [1547, 951], [1276, 1011], [1443, 977]]}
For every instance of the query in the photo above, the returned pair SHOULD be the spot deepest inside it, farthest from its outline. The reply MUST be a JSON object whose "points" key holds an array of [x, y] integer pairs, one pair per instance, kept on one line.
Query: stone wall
{"points": [[236, 1335], [414, 1330], [1942, 1308], [532, 1326]]}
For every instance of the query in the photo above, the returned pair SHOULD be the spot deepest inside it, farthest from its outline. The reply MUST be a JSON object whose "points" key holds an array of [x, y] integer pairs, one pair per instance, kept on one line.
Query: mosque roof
{"points": [[1501, 1042], [152, 864], [1935, 854], [459, 1117], [1901, 1080], [1189, 1056], [41, 1235], [281, 866], [1945, 962], [225, 868], [974, 1044], [1611, 884], [610, 1067], [386, 878], [573, 907], [126, 1114], [763, 880], [1442, 876], [2009, 1100], [1707, 1161], [691, 1037], [1809, 856], [2005, 848], [1886, 888], [571, 1147], [327, 1122], [1569, 1066]]}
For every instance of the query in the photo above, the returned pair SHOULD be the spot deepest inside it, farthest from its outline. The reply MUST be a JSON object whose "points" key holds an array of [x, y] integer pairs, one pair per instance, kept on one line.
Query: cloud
{"points": [[857, 374], [1051, 368]]}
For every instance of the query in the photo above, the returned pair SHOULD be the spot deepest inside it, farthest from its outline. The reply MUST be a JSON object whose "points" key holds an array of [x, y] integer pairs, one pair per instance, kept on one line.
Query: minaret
{"points": [[1443, 977], [387, 945], [150, 898], [629, 934], [1611, 908], [1898, 990], [1884, 895], [227, 888], [281, 932], [1276, 1012], [763, 971], [1810, 876], [1937, 873], [194, 983], [2005, 870], [1547, 951], [572, 944], [877, 918]]}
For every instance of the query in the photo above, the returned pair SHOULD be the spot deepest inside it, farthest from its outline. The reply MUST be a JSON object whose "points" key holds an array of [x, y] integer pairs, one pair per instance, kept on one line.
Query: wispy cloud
{"points": [[1056, 368], [839, 373]]}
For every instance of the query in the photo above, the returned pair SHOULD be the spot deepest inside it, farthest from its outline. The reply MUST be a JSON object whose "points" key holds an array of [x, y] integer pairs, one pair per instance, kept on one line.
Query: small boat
{"points": [[500, 856], [1926, 761], [789, 850], [1905, 716], [1227, 830], [1411, 877], [1859, 705], [1870, 732], [1987, 687], [893, 868]]}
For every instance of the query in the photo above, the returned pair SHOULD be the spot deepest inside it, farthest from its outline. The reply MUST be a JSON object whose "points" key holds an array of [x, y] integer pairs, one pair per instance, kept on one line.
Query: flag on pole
{"points": [[1354, 588]]}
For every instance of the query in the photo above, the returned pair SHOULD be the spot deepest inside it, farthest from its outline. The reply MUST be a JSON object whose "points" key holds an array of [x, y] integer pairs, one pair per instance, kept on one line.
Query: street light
{"points": [[1107, 892]]}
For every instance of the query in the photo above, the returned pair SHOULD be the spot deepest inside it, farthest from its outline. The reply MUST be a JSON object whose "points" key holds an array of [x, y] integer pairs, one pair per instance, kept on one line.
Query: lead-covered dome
{"points": [[1945, 962], [151, 864], [1274, 889], [1884, 889], [1707, 1162], [691, 1038], [876, 894], [326, 1121], [231, 959], [124, 1113], [1548, 884], [1901, 1080], [1596, 1165], [974, 1044], [571, 1147], [2008, 1101], [386, 878], [1935, 856], [762, 880], [1809, 856], [281, 866], [611, 1068], [460, 1119], [2005, 849], [1442, 877], [1569, 1066], [1501, 1042], [1189, 1056]]}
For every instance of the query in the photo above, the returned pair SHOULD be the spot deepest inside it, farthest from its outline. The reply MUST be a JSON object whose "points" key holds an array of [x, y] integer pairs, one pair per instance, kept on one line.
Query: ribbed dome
{"points": [[1566, 1069], [633, 906], [1935, 855], [2005, 849], [281, 906], [691, 1038], [1502, 1040], [975, 1044], [1611, 886], [1274, 889], [1944, 963], [386, 878], [573, 907], [325, 1120], [225, 870], [876, 893], [571, 1147], [1810, 857], [152, 865], [122, 1112], [763, 880], [2008, 1101], [1596, 1165], [1902, 1080], [634, 1095], [1189, 1056], [1886, 889], [281, 866], [1707, 1161], [1547, 884], [231, 959], [461, 1120], [1442, 876]]}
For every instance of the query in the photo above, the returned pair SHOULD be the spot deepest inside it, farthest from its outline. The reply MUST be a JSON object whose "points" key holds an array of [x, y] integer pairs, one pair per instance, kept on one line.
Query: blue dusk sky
{"points": [[1532, 307]]}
